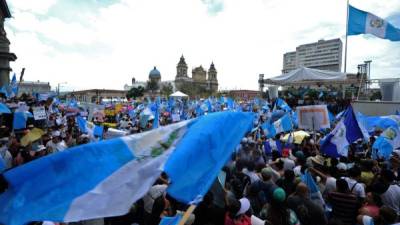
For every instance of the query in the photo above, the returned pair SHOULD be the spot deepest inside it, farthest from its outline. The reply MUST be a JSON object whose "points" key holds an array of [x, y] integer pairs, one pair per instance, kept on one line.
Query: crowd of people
{"points": [[259, 185]]}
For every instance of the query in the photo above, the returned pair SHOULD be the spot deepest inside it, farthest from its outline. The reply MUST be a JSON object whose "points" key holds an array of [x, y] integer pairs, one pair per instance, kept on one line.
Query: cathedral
{"points": [[200, 82]]}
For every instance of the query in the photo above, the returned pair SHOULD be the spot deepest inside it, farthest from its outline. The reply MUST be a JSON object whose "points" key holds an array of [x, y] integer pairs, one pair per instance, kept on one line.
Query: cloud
{"points": [[37, 7], [214, 6], [103, 44]]}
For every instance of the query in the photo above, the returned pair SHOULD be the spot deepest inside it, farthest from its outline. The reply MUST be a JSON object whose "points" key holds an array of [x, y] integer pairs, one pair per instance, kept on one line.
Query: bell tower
{"points": [[212, 78], [181, 68]]}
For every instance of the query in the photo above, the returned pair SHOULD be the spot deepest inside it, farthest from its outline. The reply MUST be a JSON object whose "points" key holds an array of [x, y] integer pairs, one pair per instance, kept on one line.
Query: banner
{"points": [[313, 117], [39, 113]]}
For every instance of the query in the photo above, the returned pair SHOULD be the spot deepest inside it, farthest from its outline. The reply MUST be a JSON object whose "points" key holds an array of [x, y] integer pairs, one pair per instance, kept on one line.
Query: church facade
{"points": [[200, 82]]}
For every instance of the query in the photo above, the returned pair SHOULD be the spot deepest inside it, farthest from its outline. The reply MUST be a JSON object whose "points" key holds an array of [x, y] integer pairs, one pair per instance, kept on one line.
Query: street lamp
{"points": [[58, 88]]}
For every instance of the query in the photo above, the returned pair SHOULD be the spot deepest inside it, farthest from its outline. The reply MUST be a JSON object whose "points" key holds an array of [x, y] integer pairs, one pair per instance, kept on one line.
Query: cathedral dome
{"points": [[154, 73]]}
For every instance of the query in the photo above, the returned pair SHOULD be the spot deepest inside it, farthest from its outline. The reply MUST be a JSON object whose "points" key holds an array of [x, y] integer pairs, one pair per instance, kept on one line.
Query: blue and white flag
{"points": [[4, 109], [105, 178], [361, 22], [315, 193], [19, 121], [339, 115], [14, 86], [284, 124], [283, 105], [272, 145], [199, 157], [347, 131], [372, 123], [166, 220], [82, 124], [386, 143], [157, 114]]}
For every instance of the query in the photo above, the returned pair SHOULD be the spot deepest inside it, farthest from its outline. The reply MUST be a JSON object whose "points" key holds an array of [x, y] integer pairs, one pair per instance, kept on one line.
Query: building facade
{"points": [[201, 80], [243, 94], [134, 84], [323, 55], [5, 55], [33, 87], [97, 95]]}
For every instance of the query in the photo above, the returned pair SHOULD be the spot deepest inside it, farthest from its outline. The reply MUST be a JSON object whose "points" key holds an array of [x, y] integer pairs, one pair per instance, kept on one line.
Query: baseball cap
{"points": [[279, 195]]}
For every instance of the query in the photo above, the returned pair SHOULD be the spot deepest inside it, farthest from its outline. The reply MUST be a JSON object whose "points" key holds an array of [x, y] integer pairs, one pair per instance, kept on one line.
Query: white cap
{"points": [[56, 133], [341, 166], [244, 206]]}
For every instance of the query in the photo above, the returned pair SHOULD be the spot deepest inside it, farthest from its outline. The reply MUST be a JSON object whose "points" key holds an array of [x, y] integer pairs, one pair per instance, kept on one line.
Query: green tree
{"points": [[135, 92], [167, 89]]}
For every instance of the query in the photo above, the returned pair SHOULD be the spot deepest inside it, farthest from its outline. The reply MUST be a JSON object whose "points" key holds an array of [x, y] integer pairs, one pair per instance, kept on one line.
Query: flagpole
{"points": [[347, 28], [187, 214]]}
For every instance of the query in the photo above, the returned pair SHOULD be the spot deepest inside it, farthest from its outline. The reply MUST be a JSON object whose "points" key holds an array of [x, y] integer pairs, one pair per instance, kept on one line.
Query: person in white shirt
{"points": [[56, 144], [391, 197], [5, 154], [249, 171], [357, 188]]}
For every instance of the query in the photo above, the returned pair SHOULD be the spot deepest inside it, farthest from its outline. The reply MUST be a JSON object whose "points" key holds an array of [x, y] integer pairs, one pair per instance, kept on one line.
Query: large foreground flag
{"points": [[361, 22], [199, 157], [347, 131], [103, 179]]}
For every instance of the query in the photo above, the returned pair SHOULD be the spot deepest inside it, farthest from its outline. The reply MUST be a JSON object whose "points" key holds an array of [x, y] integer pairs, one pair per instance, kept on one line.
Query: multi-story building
{"points": [[289, 62], [33, 87], [323, 55], [97, 95]]}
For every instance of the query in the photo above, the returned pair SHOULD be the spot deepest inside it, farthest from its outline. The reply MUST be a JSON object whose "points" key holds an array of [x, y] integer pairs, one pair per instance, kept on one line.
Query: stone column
{"points": [[5, 55]]}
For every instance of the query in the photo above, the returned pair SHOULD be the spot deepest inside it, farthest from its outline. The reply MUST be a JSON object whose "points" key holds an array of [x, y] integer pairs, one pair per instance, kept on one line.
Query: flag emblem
{"points": [[341, 132], [390, 133], [376, 23]]}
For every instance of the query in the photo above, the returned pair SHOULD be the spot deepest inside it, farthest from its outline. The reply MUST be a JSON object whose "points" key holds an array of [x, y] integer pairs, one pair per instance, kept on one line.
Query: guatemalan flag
{"points": [[361, 22], [283, 105], [386, 143], [103, 179], [347, 131], [372, 123], [284, 124], [315, 193], [271, 145]]}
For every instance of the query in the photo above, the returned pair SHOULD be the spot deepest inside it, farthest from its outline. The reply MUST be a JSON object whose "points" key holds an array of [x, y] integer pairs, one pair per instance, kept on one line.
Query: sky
{"points": [[84, 44]]}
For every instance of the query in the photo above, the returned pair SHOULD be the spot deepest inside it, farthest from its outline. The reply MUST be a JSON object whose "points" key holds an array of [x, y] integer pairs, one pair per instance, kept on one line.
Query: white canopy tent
{"points": [[304, 74], [179, 94]]}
